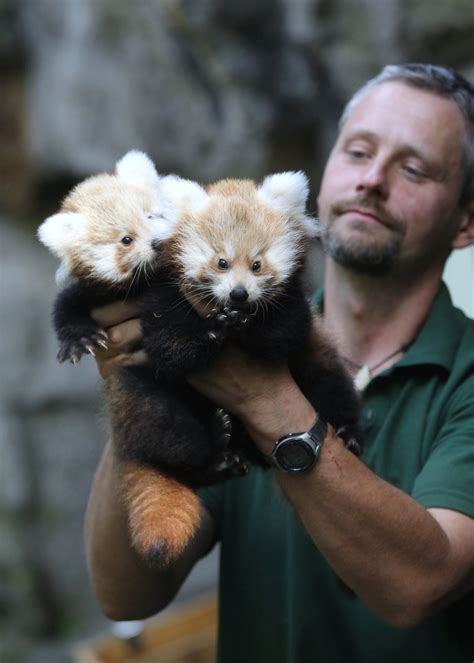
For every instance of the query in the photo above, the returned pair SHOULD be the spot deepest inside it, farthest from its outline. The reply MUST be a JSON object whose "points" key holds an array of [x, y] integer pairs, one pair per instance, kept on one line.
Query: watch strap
{"points": [[319, 430]]}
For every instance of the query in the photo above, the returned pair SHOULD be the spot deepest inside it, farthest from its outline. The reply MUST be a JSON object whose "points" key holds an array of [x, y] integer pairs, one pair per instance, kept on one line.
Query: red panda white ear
{"points": [[287, 193], [136, 168], [60, 231], [178, 196]]}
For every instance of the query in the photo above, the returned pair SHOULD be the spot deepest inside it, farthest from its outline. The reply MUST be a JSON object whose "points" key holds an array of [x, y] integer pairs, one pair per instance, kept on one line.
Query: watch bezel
{"points": [[302, 440], [312, 440]]}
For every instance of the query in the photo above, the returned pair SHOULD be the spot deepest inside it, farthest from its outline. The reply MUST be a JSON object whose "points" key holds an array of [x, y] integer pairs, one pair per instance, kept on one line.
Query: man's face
{"points": [[391, 187]]}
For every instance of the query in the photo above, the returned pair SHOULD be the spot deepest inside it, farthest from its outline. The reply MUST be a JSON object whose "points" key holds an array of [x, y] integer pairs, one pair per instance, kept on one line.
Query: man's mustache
{"points": [[367, 205]]}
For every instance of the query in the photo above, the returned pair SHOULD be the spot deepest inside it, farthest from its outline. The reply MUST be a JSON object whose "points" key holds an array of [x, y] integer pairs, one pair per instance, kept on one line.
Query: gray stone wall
{"points": [[209, 88]]}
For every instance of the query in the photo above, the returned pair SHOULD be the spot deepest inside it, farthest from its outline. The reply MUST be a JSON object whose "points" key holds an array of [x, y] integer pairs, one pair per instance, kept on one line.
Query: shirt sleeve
{"points": [[447, 478]]}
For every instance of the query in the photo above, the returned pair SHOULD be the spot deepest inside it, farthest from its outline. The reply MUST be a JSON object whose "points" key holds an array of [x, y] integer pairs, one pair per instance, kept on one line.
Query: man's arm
{"points": [[126, 588], [403, 560]]}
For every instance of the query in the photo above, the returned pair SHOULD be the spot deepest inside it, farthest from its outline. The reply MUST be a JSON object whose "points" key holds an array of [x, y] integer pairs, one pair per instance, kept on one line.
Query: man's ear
{"points": [[465, 235]]}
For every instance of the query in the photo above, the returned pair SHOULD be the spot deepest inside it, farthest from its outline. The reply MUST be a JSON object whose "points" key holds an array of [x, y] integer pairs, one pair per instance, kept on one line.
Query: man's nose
{"points": [[374, 180]]}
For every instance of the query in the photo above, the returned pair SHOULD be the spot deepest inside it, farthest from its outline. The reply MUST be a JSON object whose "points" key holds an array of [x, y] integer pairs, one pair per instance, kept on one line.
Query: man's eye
{"points": [[413, 171], [357, 154]]}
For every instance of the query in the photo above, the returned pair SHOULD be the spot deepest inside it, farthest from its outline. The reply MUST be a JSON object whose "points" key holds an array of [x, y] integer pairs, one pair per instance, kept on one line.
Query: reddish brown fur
{"points": [[113, 209], [235, 214], [163, 514]]}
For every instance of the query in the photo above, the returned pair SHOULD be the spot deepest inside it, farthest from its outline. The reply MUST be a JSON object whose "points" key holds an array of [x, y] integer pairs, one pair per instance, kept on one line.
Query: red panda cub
{"points": [[237, 253], [106, 235]]}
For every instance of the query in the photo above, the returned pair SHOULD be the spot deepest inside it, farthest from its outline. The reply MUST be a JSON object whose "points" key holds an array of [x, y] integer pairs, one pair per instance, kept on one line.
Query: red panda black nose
{"points": [[239, 294]]}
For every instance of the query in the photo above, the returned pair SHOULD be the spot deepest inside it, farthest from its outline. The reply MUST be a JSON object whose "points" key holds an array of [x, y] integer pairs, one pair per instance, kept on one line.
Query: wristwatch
{"points": [[296, 453]]}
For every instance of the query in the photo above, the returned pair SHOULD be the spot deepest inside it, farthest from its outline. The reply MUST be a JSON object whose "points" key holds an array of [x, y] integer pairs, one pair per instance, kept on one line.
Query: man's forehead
{"points": [[416, 117], [403, 100]]}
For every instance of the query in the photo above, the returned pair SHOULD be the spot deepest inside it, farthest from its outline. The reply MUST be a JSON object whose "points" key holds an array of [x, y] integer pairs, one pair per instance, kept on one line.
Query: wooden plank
{"points": [[187, 635]]}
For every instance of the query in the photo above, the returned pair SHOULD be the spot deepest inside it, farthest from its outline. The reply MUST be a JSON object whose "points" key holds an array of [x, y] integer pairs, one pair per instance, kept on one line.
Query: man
{"points": [[397, 195]]}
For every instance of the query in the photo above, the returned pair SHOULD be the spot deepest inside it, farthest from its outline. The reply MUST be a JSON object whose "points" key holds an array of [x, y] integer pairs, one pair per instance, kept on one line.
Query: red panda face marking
{"points": [[109, 226], [239, 246], [114, 212], [113, 229]]}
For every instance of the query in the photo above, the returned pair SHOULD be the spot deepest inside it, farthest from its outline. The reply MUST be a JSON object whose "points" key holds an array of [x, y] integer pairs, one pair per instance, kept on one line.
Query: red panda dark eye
{"points": [[223, 264], [127, 240], [257, 265]]}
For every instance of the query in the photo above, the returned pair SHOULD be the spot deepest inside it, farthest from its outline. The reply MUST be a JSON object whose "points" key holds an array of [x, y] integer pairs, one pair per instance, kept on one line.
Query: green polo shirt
{"points": [[279, 600]]}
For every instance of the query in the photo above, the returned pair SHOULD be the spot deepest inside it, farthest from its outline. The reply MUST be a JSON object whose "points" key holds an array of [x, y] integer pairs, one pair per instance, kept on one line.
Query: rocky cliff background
{"points": [[209, 88]]}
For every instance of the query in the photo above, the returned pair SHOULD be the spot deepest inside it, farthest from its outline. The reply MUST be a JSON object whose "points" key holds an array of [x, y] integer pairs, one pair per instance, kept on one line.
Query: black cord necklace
{"points": [[364, 372]]}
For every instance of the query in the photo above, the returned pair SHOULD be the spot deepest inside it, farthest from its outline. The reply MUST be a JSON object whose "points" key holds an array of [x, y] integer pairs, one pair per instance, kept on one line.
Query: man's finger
{"points": [[116, 313], [122, 339], [125, 335], [108, 365], [139, 358]]}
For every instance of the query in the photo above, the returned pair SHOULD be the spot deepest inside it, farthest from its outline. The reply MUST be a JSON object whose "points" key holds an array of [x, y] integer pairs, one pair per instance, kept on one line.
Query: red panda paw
{"points": [[163, 514], [73, 349]]}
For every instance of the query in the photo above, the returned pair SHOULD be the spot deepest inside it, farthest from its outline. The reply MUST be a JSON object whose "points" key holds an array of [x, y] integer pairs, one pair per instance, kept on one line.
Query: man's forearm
{"points": [[125, 586], [381, 542]]}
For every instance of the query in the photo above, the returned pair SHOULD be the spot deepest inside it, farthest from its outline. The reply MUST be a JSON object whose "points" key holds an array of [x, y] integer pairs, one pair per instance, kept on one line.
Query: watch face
{"points": [[297, 452], [295, 455]]}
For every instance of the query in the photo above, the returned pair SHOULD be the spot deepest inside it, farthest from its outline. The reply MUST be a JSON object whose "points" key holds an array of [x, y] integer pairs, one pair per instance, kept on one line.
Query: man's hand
{"points": [[124, 333], [235, 380], [263, 396]]}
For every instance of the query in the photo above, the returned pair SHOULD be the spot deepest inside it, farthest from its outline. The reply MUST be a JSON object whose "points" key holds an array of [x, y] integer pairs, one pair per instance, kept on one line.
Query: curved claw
{"points": [[353, 445], [224, 419], [222, 428], [88, 343], [231, 464], [71, 352]]}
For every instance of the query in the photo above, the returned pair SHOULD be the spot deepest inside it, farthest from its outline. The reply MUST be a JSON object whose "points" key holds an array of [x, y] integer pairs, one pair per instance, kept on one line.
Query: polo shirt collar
{"points": [[438, 338]]}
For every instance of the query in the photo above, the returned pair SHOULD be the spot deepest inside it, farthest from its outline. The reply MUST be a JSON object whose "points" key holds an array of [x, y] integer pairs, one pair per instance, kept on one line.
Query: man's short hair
{"points": [[447, 83]]}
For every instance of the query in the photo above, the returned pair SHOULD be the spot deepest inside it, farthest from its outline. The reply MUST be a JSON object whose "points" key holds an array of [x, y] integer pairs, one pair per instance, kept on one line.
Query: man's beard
{"points": [[363, 256]]}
